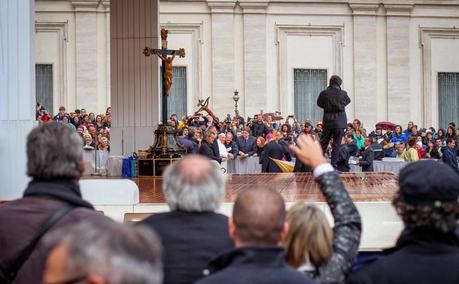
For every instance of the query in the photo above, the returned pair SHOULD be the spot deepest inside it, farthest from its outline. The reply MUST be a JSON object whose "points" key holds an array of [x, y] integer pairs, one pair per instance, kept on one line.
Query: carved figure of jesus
{"points": [[167, 71]]}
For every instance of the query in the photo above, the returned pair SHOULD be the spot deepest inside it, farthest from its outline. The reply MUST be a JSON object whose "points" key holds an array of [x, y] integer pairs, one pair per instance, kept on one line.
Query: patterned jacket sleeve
{"points": [[346, 232]]}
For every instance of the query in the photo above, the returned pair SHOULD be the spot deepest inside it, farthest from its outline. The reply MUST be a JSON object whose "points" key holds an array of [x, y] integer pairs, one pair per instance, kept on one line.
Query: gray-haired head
{"points": [[54, 151], [193, 184], [116, 252]]}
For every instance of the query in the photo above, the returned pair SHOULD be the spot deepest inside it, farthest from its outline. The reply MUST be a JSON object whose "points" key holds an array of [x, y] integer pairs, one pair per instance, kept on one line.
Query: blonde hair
{"points": [[309, 238]]}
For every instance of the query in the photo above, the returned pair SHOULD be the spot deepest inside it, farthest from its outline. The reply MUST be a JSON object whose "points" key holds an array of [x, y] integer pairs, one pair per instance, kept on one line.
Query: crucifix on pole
{"points": [[166, 56]]}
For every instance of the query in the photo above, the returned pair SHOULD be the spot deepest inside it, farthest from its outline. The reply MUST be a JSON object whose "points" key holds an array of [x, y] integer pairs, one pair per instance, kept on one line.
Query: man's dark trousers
{"points": [[337, 135]]}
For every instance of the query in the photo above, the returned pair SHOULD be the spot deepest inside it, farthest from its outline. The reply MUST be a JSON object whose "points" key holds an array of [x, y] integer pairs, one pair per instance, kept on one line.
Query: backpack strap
{"points": [[27, 251]]}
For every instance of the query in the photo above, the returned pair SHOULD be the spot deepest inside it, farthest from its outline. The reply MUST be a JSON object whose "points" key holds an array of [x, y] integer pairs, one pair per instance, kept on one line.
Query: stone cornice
{"points": [[398, 10], [254, 6], [85, 5], [221, 6], [362, 9]]}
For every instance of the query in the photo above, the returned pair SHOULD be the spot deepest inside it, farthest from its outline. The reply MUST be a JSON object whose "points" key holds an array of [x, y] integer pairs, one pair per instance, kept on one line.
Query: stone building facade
{"points": [[391, 54]]}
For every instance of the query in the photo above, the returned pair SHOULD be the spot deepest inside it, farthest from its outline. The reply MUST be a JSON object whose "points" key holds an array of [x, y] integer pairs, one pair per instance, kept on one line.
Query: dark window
{"points": [[176, 103], [308, 83], [44, 85], [448, 98]]}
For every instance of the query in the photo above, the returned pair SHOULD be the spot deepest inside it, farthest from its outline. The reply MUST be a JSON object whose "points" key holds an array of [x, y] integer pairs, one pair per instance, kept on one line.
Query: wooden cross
{"points": [[166, 68]]}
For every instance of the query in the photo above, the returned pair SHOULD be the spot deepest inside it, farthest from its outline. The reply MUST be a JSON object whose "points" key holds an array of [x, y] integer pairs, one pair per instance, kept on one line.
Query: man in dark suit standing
{"points": [[368, 156], [246, 144], [207, 148], [333, 100], [273, 150]]}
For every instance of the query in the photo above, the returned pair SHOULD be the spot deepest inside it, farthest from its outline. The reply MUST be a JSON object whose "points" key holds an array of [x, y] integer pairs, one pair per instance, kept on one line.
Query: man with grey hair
{"points": [[101, 253], [51, 199], [192, 233]]}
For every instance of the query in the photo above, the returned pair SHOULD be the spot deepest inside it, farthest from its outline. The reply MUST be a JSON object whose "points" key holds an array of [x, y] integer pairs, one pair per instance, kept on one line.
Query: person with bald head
{"points": [[192, 232], [258, 227]]}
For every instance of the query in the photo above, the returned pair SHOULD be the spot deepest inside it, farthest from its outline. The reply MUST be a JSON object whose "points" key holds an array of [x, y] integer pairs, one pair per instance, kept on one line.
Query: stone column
{"points": [[222, 56], [255, 64], [17, 92], [86, 54], [365, 68], [398, 63], [134, 88]]}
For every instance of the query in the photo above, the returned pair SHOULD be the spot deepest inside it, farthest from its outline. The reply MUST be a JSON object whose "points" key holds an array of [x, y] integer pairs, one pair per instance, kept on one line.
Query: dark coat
{"points": [[343, 159], [378, 151], [216, 148], [21, 219], [333, 100], [275, 151], [254, 265], [366, 162], [259, 129], [353, 149], [190, 240], [420, 256], [247, 146], [232, 148], [449, 158], [208, 150], [300, 167]]}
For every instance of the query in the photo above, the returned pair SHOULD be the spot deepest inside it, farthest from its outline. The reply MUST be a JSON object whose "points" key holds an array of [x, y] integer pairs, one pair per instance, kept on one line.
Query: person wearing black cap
{"points": [[427, 250]]}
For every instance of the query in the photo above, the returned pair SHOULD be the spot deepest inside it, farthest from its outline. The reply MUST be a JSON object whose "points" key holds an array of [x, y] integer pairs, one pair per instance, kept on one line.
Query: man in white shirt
{"points": [[222, 149]]}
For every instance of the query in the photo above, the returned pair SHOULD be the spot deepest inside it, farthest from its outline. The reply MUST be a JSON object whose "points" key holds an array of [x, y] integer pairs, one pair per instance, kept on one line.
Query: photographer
{"points": [[258, 127]]}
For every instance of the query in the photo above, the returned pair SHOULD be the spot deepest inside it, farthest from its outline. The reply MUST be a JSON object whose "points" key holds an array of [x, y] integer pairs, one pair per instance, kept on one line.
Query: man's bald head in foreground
{"points": [[258, 218], [193, 184]]}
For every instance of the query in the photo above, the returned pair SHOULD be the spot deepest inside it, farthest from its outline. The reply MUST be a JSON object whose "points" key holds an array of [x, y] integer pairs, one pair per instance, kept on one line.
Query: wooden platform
{"points": [[372, 193], [293, 187]]}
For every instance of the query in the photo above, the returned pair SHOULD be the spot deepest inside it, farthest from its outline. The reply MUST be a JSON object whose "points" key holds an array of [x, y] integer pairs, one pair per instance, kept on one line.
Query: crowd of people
{"points": [[268, 137], [52, 235], [93, 129]]}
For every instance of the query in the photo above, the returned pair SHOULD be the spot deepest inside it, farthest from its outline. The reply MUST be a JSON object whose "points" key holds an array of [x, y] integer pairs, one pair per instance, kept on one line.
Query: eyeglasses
{"points": [[74, 280]]}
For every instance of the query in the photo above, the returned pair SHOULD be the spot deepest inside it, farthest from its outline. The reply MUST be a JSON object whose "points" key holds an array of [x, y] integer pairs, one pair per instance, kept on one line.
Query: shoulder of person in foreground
{"points": [[268, 275]]}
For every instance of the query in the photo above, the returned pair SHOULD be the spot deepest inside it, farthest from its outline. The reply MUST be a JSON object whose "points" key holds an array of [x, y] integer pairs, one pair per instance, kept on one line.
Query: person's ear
{"points": [[283, 233], [81, 166], [95, 279], [231, 228]]}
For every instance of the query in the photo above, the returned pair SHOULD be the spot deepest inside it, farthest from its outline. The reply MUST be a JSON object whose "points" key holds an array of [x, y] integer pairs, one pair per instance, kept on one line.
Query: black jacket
{"points": [[190, 240], [378, 151], [367, 159], [449, 158], [209, 151], [343, 159], [420, 256], [275, 151], [259, 129], [247, 146], [253, 265], [232, 148], [334, 100]]}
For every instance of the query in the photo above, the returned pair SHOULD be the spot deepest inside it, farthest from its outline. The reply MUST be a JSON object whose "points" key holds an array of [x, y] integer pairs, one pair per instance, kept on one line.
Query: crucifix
{"points": [[166, 56]]}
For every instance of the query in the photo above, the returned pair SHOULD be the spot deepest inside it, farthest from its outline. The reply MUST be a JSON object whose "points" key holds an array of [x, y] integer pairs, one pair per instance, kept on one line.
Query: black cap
{"points": [[427, 182]]}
